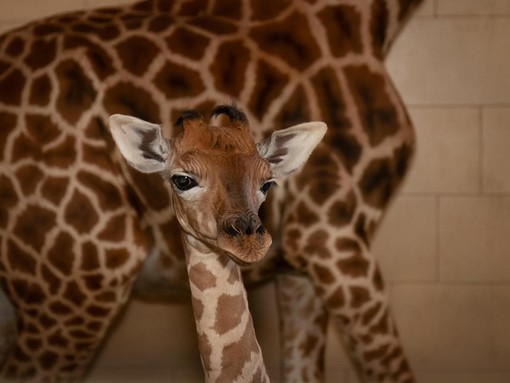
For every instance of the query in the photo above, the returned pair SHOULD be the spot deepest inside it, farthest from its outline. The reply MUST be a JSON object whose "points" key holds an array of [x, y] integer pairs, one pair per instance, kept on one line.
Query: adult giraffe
{"points": [[65, 191]]}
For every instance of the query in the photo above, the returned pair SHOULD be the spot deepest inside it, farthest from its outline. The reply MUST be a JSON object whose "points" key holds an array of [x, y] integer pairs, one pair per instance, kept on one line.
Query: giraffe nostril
{"points": [[245, 225], [235, 227]]}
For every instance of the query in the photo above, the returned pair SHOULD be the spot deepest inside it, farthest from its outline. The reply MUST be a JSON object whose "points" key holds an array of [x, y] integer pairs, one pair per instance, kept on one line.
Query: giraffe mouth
{"points": [[245, 249]]}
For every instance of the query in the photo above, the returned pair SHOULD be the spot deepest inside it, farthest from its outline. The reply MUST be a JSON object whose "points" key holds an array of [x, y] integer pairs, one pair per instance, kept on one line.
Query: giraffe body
{"points": [[77, 224]]}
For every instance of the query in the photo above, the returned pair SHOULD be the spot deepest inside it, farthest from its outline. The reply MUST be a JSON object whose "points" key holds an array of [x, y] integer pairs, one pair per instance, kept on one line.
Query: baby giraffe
{"points": [[220, 177]]}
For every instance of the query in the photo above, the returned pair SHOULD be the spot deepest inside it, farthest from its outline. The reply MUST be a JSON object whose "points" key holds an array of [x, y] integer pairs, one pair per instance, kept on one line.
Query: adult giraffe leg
{"points": [[303, 326], [351, 285], [66, 306]]}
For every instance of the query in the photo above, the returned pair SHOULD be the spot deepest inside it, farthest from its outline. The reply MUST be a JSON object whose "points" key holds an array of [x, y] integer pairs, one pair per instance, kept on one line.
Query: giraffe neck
{"points": [[226, 337]]}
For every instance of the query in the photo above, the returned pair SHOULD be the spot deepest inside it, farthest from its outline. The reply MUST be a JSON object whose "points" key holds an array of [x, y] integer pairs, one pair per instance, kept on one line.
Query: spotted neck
{"points": [[226, 337]]}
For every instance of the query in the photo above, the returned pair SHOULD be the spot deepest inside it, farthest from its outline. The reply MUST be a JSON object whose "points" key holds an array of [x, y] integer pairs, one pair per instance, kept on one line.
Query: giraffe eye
{"points": [[183, 183], [266, 186]]}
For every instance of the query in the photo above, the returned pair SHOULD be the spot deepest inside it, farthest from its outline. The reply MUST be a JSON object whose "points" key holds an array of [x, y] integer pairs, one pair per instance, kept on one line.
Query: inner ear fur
{"points": [[141, 143], [288, 149]]}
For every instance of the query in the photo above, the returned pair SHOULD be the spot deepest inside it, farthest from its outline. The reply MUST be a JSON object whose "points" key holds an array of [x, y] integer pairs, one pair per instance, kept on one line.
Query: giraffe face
{"points": [[217, 197], [219, 175]]}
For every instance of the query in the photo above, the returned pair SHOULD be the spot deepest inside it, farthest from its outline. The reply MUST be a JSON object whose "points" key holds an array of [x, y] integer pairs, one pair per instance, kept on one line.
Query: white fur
{"points": [[299, 142], [127, 133]]}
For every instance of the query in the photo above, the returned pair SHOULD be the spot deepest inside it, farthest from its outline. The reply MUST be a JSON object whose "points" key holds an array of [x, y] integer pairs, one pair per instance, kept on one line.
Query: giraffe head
{"points": [[219, 175]]}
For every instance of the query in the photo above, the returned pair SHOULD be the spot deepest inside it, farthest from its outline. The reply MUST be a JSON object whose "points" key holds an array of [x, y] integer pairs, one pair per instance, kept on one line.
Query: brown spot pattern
{"points": [[29, 176], [60, 308], [54, 188], [342, 212], [48, 359], [343, 27], [76, 93], [378, 280], [42, 53], [115, 229], [101, 61], [8, 195], [355, 266], [61, 254], [33, 225], [378, 183], [176, 81], [40, 92], [136, 54], [98, 311], [371, 313], [168, 229], [116, 258], [80, 213], [231, 356], [375, 108], [89, 257], [289, 39], [359, 296], [337, 299], [269, 85], [295, 110], [316, 245], [265, 10], [63, 155], [308, 345], [42, 128], [228, 8], [228, 313], [96, 156], [27, 292], [107, 194], [160, 23], [74, 294], [323, 274], [229, 67], [15, 82], [150, 187], [15, 47], [187, 43], [95, 282], [51, 279], [379, 26], [25, 147], [206, 280], [7, 123], [305, 215]]}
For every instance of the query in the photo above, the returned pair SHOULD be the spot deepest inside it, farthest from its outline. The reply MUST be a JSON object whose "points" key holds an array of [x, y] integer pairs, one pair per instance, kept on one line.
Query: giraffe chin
{"points": [[247, 249]]}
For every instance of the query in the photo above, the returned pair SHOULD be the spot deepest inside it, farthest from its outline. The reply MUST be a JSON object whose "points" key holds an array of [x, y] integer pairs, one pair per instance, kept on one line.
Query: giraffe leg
{"points": [[351, 285], [57, 340], [303, 325], [66, 297]]}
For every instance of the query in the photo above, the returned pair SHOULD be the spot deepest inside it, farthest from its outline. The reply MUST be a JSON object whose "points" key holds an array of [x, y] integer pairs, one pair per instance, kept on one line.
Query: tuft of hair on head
{"points": [[236, 116], [188, 115]]}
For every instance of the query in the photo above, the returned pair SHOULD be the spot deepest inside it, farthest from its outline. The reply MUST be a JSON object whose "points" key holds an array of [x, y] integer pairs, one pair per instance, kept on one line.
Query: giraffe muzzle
{"points": [[244, 238]]}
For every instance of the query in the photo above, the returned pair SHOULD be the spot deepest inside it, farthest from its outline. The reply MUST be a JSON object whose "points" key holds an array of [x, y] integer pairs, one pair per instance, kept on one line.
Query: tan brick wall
{"points": [[445, 244]]}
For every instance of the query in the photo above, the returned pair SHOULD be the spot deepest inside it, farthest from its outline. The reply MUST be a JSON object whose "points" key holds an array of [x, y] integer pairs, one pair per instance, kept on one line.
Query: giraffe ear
{"points": [[288, 149], [140, 143]]}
